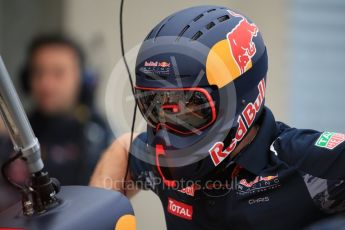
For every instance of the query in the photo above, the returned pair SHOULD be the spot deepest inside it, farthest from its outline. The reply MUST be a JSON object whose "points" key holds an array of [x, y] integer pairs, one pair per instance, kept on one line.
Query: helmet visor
{"points": [[181, 110]]}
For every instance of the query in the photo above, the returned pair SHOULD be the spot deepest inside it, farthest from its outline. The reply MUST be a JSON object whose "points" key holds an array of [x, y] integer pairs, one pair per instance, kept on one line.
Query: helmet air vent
{"points": [[198, 17], [160, 29], [149, 35], [210, 25], [197, 35], [211, 10], [223, 18], [182, 32]]}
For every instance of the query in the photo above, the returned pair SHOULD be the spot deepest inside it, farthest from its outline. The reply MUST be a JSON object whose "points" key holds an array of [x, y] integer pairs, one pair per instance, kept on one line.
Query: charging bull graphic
{"points": [[241, 42]]}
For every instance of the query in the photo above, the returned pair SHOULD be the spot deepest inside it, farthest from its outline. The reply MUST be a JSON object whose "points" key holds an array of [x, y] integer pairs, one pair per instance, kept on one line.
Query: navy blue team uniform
{"points": [[286, 178]]}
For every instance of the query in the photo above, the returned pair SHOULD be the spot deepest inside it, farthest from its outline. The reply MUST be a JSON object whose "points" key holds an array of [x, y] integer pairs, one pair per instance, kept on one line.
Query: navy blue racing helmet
{"points": [[200, 85]]}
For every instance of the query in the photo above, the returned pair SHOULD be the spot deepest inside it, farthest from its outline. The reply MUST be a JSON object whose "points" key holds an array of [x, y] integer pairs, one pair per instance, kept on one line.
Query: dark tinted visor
{"points": [[182, 110]]}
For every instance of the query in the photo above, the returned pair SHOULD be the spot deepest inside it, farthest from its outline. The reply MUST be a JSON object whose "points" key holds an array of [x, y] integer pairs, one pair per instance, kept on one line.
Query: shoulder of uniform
{"points": [[310, 150], [292, 144]]}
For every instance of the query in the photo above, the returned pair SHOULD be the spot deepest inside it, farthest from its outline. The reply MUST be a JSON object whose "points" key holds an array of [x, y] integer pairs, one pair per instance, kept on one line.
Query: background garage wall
{"points": [[20, 21], [1, 23], [317, 60]]}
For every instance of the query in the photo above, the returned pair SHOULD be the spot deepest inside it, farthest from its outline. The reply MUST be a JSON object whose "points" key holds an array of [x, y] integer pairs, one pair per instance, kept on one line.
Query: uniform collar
{"points": [[254, 157]]}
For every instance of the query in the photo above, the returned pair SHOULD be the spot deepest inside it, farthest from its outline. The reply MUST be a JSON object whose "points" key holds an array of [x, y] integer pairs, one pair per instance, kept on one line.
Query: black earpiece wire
{"points": [[133, 92]]}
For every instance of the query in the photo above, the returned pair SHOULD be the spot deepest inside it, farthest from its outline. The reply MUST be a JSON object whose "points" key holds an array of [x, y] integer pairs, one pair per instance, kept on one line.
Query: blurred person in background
{"points": [[71, 132]]}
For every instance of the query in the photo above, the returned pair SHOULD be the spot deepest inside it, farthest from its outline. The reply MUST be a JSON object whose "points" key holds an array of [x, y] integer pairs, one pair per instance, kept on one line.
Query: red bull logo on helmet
{"points": [[240, 39], [162, 64], [160, 68], [231, 57]]}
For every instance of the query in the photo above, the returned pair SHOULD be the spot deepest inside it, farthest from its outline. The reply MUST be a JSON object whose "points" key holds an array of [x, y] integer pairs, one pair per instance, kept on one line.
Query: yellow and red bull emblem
{"points": [[230, 58], [240, 39]]}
